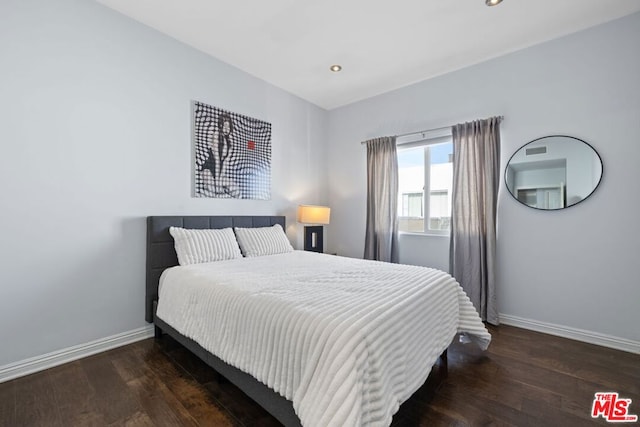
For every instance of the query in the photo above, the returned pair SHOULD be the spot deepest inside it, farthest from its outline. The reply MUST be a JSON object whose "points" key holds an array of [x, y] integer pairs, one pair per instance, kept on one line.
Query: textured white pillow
{"points": [[198, 246], [263, 241]]}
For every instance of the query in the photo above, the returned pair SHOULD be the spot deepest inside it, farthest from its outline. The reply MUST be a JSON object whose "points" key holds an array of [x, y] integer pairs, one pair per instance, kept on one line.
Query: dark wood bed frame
{"points": [[161, 255]]}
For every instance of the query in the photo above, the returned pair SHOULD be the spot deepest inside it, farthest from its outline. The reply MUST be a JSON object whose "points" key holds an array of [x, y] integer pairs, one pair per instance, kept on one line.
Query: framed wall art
{"points": [[232, 154]]}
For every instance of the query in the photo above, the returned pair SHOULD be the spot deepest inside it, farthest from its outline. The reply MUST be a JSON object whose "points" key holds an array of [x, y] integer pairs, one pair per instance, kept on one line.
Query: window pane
{"points": [[411, 189], [440, 183], [425, 183], [415, 205]]}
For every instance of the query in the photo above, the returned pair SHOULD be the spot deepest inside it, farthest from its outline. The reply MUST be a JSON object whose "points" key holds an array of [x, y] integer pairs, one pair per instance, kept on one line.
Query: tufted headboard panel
{"points": [[162, 255]]}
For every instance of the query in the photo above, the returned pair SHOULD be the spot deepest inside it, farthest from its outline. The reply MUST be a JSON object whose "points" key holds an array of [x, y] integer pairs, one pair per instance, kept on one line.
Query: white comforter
{"points": [[346, 340]]}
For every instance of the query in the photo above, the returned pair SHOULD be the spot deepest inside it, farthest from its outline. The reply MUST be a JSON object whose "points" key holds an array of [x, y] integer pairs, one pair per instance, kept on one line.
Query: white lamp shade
{"points": [[308, 214]]}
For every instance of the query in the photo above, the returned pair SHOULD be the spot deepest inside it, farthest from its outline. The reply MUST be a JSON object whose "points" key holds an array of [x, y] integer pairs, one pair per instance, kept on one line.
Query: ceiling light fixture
{"points": [[492, 2], [335, 68]]}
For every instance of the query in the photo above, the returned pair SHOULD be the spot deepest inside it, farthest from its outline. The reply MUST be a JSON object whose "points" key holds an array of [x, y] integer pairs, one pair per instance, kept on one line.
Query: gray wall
{"points": [[576, 267], [95, 114]]}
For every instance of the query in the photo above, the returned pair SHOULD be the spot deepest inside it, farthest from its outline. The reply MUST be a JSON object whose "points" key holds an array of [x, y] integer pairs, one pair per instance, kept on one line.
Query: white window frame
{"points": [[425, 139]]}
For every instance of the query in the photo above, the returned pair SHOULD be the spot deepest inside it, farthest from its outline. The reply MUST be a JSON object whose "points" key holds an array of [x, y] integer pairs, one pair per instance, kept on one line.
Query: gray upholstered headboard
{"points": [[160, 250]]}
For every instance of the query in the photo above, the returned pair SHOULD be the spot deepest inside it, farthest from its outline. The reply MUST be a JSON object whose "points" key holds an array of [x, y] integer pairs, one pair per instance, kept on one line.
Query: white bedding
{"points": [[346, 340]]}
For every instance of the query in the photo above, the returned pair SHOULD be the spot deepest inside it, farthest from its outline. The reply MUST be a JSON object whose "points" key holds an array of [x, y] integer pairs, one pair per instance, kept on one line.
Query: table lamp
{"points": [[316, 216]]}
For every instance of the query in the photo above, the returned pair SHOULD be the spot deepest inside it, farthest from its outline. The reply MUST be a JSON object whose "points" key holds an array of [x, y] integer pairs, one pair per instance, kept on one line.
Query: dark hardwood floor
{"points": [[524, 379]]}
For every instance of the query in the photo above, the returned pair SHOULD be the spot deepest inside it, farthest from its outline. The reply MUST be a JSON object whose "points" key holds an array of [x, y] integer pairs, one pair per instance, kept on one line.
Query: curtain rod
{"points": [[427, 130], [417, 133], [423, 131]]}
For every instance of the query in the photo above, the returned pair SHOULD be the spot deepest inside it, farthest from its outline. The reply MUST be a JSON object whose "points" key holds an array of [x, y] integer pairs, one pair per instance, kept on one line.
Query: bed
{"points": [[342, 341]]}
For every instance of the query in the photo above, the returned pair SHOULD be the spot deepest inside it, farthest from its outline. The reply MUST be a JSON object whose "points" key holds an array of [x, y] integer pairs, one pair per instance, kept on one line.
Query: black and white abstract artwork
{"points": [[232, 154]]}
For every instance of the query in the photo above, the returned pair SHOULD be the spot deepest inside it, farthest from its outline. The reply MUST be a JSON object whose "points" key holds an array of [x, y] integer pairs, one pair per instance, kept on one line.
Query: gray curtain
{"points": [[476, 176], [381, 241]]}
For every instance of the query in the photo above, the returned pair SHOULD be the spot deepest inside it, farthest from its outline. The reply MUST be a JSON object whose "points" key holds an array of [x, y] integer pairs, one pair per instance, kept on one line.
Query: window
{"points": [[425, 172]]}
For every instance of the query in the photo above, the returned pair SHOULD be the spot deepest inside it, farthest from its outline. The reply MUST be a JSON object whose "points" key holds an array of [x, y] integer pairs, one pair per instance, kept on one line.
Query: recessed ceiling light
{"points": [[492, 2], [335, 68]]}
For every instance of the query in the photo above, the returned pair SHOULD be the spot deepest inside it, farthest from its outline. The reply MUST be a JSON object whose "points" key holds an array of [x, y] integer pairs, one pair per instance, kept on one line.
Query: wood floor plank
{"points": [[116, 402], [552, 415], [163, 409], [159, 403], [512, 388], [479, 408], [76, 398], [8, 403], [201, 404], [239, 405], [571, 362], [444, 411], [137, 419], [36, 404], [194, 366]]}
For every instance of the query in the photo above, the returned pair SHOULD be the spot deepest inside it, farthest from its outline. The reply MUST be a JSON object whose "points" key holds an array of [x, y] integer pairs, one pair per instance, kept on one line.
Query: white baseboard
{"points": [[69, 354], [572, 333]]}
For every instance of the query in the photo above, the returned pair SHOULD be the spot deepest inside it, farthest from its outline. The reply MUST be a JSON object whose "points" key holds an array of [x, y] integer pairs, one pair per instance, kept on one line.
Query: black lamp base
{"points": [[313, 238]]}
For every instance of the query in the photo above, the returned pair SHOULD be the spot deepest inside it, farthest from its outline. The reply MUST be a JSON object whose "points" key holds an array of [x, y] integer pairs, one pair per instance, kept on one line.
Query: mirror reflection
{"points": [[553, 172]]}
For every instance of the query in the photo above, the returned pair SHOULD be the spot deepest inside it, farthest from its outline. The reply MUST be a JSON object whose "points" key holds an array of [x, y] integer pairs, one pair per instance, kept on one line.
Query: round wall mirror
{"points": [[553, 172]]}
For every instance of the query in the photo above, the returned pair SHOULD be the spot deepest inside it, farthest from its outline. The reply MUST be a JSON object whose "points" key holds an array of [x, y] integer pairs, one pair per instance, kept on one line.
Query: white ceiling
{"points": [[381, 44]]}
